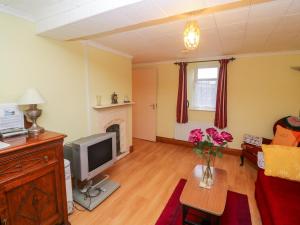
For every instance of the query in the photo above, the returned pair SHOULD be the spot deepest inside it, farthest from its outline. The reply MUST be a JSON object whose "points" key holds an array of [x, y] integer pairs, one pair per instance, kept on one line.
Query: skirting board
{"points": [[173, 141]]}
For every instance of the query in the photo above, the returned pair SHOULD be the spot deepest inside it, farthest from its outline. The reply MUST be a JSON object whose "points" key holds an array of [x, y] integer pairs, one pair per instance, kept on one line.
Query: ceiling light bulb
{"points": [[191, 35]]}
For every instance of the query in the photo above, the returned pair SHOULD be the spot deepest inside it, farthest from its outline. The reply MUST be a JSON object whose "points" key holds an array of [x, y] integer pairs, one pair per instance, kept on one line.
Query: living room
{"points": [[94, 65]]}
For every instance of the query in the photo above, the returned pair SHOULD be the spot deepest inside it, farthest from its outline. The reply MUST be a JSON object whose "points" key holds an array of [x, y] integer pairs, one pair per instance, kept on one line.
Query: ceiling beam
{"points": [[205, 11], [83, 10]]}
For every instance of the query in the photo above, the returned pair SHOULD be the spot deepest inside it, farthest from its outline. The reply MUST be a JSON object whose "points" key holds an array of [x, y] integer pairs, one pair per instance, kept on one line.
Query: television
{"points": [[93, 154]]}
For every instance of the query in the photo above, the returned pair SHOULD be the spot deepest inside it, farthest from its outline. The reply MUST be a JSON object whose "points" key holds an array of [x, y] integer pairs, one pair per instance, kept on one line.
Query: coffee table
{"points": [[209, 201]]}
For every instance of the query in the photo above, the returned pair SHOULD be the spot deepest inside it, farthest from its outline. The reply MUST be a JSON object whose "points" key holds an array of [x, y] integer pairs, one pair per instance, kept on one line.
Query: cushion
{"points": [[260, 160], [294, 121], [282, 161], [286, 137]]}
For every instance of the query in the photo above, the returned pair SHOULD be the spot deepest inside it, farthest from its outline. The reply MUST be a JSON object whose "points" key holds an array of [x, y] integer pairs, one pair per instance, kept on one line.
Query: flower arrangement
{"points": [[208, 147], [213, 143]]}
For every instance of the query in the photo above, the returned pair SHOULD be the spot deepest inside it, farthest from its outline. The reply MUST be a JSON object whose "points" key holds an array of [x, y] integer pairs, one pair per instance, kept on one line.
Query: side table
{"points": [[211, 202], [250, 151]]}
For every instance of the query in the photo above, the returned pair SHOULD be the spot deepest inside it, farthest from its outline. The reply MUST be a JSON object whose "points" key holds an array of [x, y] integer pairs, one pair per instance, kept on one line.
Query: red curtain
{"points": [[182, 106], [221, 100]]}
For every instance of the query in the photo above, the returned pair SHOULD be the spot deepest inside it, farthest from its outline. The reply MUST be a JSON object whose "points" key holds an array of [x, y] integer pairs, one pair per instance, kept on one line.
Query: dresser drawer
{"points": [[22, 162]]}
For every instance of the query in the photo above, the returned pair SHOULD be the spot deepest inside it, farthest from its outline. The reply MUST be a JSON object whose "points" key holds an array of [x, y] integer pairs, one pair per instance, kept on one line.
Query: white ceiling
{"points": [[265, 27]]}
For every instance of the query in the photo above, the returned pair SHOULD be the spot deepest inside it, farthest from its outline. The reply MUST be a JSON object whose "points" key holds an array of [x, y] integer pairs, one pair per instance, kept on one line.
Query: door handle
{"points": [[153, 106]]}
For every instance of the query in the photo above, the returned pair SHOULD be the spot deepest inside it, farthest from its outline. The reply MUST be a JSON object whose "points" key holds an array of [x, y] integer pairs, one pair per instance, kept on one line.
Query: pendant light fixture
{"points": [[191, 35]]}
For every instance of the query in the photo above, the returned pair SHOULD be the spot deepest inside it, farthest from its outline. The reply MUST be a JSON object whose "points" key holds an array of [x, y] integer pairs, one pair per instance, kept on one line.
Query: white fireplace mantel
{"points": [[112, 105]]}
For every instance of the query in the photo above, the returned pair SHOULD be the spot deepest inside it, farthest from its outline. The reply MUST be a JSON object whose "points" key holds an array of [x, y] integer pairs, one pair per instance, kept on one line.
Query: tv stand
{"points": [[94, 183], [95, 192]]}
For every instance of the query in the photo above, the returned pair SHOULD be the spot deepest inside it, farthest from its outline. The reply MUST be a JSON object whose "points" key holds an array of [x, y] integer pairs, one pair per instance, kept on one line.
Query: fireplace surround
{"points": [[114, 119]]}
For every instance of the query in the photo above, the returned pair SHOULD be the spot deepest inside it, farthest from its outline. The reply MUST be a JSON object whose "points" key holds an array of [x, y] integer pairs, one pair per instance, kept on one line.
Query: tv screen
{"points": [[99, 153]]}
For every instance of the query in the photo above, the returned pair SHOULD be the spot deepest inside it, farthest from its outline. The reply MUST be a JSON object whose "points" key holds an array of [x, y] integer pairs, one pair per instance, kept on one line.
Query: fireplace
{"points": [[116, 128], [114, 119]]}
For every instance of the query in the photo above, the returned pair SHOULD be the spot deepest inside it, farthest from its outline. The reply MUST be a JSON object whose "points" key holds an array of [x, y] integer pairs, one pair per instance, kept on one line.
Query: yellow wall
{"points": [[109, 73], [58, 70], [261, 90], [54, 68]]}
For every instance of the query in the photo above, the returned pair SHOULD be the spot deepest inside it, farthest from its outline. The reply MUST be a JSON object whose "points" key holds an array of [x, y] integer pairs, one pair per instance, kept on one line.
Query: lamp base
{"points": [[35, 130], [33, 113]]}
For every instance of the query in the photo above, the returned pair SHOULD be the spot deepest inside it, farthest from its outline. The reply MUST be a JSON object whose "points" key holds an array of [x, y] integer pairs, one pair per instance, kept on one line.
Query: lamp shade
{"points": [[191, 35], [31, 96]]}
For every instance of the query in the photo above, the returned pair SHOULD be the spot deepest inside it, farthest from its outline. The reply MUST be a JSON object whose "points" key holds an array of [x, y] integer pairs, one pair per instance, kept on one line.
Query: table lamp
{"points": [[32, 98]]}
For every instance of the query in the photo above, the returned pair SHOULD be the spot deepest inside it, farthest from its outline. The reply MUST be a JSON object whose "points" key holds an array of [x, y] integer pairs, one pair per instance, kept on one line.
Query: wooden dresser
{"points": [[32, 181]]}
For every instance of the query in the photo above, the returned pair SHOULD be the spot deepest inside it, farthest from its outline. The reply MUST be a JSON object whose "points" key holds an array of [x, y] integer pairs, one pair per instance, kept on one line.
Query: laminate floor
{"points": [[148, 177]]}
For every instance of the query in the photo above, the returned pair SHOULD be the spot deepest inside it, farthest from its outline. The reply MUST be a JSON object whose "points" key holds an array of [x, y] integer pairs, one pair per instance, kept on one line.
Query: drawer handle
{"points": [[3, 221], [35, 200], [46, 158]]}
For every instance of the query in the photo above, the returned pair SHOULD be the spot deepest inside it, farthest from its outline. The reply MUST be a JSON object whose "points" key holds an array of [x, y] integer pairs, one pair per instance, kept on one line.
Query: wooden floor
{"points": [[148, 177]]}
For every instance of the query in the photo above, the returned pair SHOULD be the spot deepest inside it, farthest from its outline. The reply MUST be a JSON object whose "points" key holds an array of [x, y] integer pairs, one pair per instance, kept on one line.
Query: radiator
{"points": [[182, 130]]}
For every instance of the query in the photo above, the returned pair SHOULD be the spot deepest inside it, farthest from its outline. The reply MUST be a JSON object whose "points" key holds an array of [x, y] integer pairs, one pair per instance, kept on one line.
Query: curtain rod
{"points": [[213, 60]]}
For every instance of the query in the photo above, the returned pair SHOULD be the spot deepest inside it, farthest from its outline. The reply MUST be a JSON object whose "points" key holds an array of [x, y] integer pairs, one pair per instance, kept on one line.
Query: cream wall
{"points": [[60, 71], [109, 73], [54, 68], [261, 90]]}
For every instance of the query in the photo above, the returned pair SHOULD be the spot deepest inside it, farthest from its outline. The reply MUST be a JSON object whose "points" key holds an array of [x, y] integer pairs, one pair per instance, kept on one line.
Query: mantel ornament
{"points": [[114, 98]]}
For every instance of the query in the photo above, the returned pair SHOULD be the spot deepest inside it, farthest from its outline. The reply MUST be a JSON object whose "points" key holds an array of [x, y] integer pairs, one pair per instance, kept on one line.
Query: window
{"points": [[205, 88]]}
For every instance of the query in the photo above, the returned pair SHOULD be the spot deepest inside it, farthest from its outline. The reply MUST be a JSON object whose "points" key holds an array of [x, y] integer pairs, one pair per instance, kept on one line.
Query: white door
{"points": [[144, 88]]}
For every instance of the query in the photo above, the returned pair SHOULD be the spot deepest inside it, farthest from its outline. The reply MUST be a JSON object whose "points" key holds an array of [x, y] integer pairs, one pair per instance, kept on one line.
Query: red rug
{"points": [[236, 210]]}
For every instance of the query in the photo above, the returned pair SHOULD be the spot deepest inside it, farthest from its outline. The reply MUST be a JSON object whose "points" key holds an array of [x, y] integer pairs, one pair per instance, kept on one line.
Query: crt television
{"points": [[93, 154]]}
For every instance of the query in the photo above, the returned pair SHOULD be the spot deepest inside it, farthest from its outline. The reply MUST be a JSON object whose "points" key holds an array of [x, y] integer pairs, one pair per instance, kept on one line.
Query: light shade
{"points": [[191, 35], [31, 96]]}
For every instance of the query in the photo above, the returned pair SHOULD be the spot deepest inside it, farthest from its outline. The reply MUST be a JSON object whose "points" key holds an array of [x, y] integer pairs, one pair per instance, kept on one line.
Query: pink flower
{"points": [[227, 136], [196, 136], [211, 131], [217, 138]]}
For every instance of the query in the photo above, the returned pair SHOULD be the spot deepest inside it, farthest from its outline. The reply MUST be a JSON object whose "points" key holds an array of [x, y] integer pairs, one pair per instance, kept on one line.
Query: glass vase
{"points": [[206, 180]]}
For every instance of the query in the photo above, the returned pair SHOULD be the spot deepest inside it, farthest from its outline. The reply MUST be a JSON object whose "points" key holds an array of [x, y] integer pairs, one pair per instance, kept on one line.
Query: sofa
{"points": [[278, 200], [250, 151]]}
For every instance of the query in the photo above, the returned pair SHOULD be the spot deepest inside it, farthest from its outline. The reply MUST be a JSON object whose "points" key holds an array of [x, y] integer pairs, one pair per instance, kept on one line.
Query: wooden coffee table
{"points": [[209, 201]]}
